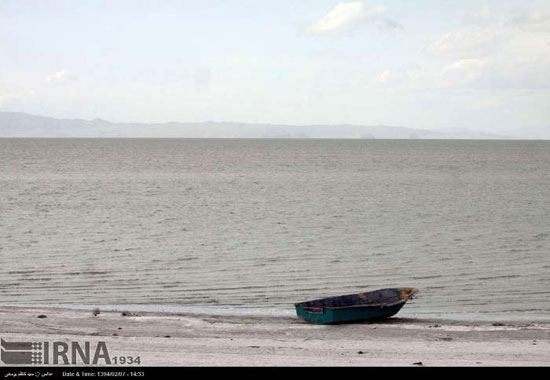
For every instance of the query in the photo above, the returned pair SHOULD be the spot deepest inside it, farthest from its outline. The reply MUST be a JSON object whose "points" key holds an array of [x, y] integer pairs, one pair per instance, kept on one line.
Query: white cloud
{"points": [[61, 76], [382, 77], [535, 21], [466, 42], [511, 55], [443, 44], [345, 17], [469, 68], [464, 73], [481, 16]]}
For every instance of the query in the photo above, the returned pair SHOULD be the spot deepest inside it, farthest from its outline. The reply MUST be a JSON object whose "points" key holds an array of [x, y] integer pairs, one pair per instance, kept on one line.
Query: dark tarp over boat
{"points": [[378, 304]]}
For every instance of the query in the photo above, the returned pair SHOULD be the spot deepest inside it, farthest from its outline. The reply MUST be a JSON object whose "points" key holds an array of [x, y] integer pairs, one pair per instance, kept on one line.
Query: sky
{"points": [[434, 64]]}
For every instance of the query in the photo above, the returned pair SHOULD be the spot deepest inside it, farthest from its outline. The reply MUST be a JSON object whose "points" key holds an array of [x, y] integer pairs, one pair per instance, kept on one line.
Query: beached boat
{"points": [[378, 304]]}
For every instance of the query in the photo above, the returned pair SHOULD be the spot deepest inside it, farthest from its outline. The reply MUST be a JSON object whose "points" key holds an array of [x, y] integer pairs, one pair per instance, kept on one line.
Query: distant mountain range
{"points": [[15, 124]]}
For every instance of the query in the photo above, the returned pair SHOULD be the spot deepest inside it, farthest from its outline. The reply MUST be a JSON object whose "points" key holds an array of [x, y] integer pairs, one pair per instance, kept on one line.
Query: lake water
{"points": [[259, 224]]}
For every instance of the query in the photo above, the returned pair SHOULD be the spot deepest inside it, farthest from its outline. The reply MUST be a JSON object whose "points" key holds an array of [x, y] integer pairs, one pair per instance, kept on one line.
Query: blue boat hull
{"points": [[353, 308]]}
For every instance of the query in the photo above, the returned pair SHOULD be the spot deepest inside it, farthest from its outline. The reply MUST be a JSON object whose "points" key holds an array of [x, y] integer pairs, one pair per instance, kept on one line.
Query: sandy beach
{"points": [[161, 339]]}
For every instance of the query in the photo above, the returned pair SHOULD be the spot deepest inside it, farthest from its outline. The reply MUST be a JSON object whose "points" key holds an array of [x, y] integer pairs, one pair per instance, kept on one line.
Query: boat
{"points": [[350, 308]]}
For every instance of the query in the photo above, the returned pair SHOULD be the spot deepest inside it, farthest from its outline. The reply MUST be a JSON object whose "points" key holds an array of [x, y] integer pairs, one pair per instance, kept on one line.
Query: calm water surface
{"points": [[260, 224]]}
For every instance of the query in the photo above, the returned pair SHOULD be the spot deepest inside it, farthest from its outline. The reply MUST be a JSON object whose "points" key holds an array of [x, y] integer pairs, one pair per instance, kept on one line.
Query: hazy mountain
{"points": [[14, 124], [532, 133]]}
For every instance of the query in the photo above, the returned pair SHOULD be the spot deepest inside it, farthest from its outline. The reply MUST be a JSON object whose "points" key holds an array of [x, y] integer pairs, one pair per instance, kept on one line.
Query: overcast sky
{"points": [[483, 65]]}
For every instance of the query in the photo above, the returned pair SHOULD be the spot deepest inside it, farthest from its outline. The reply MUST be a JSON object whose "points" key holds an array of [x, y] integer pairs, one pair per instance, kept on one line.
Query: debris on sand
{"points": [[129, 314]]}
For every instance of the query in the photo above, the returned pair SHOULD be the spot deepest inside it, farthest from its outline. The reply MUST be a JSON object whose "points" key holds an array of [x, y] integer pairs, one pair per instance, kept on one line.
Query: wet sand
{"points": [[162, 339]]}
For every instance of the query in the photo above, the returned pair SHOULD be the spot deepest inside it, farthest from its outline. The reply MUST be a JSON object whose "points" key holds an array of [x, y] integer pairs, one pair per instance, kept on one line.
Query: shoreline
{"points": [[267, 312], [179, 339]]}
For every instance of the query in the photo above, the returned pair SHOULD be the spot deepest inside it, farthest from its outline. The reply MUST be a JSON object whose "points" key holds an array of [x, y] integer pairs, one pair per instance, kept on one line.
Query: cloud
{"points": [[535, 21], [465, 73], [61, 76], [469, 68], [382, 77], [497, 37], [467, 42], [480, 17], [444, 43], [514, 55], [348, 16]]}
